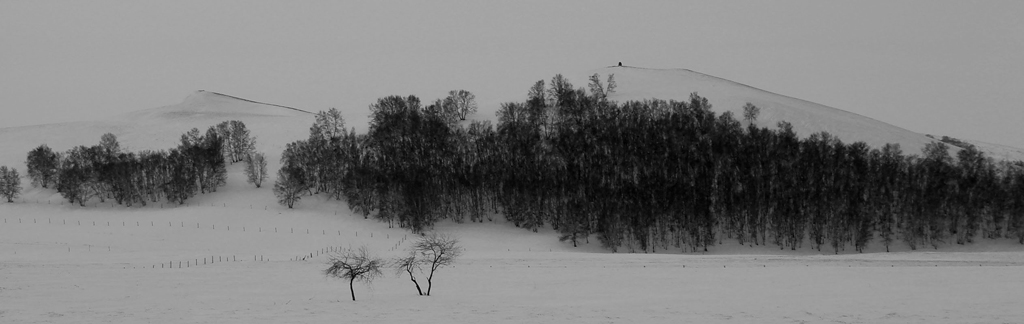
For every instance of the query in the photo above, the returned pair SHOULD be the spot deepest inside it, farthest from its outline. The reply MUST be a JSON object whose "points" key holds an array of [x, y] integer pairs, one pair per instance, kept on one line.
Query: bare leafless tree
{"points": [[750, 112], [464, 102], [410, 265], [437, 250], [10, 183], [354, 265], [255, 168]]}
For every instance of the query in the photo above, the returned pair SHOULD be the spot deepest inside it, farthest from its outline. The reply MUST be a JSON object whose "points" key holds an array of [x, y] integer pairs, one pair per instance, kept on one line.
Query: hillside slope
{"points": [[806, 117], [161, 128]]}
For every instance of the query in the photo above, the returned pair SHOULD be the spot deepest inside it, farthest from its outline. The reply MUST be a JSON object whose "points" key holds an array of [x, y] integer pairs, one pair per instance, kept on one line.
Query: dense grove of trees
{"points": [[105, 171], [653, 175]]}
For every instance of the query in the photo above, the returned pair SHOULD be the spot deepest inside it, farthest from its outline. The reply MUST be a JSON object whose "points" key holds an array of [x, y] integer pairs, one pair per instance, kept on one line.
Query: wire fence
{"points": [[194, 262]]}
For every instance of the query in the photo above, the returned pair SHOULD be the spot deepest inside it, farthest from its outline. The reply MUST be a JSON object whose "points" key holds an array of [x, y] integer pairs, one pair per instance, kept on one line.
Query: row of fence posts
{"points": [[333, 249], [195, 262], [211, 260]]}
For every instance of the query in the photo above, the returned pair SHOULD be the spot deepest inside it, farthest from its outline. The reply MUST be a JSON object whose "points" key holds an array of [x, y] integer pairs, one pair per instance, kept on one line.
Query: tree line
{"points": [[106, 171], [651, 175]]}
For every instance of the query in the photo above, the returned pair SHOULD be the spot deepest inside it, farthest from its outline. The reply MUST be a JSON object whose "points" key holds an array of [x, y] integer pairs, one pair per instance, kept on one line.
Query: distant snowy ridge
{"points": [[806, 117], [253, 101], [204, 102], [635, 83], [997, 151], [161, 128]]}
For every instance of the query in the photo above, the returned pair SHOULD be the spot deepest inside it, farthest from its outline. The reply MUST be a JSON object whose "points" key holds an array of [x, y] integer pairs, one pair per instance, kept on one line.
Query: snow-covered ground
{"points": [[232, 257], [247, 260], [63, 264]]}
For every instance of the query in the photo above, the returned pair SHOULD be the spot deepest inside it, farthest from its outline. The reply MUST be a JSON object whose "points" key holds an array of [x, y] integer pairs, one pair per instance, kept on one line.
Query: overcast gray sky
{"points": [[941, 67]]}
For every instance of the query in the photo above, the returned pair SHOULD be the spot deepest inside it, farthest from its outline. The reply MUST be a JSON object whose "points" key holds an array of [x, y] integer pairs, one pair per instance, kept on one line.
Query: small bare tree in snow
{"points": [[410, 265], [291, 182], [354, 265], [255, 168], [435, 251]]}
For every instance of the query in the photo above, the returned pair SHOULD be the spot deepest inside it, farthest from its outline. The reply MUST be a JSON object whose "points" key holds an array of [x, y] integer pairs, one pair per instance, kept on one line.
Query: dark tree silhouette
{"points": [[409, 265], [42, 165], [354, 265], [10, 183], [437, 250]]}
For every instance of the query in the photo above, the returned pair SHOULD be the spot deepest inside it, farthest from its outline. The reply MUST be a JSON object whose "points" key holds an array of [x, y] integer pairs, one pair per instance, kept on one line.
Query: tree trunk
{"points": [[417, 287], [351, 289], [430, 281]]}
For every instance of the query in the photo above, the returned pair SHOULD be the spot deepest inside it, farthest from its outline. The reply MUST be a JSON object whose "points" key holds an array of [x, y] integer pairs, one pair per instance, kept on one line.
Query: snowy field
{"points": [[57, 271], [236, 257]]}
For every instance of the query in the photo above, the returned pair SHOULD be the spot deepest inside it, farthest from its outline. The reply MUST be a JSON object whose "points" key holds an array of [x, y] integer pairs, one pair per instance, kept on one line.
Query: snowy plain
{"points": [[104, 263], [57, 271]]}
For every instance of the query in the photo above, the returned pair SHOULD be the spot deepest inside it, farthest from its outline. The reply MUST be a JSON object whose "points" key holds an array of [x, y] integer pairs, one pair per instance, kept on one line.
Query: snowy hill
{"points": [[806, 117], [999, 152], [161, 128], [235, 256], [207, 104]]}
